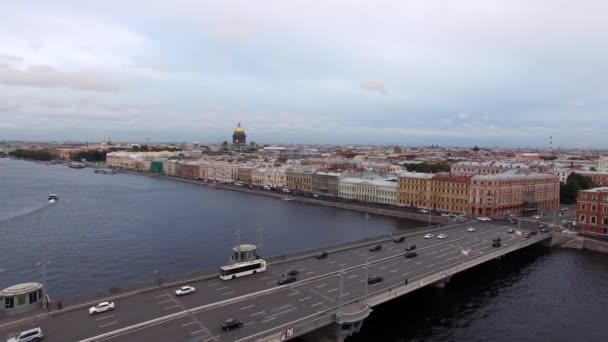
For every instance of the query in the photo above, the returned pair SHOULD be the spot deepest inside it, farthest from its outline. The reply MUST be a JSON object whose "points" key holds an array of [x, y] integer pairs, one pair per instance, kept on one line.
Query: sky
{"points": [[467, 72]]}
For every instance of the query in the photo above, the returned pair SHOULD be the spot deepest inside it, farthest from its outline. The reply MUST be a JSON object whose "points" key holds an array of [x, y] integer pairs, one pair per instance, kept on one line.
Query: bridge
{"points": [[330, 300]]}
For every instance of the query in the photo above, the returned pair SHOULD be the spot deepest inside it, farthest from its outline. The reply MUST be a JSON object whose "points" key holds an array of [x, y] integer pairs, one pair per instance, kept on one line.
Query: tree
{"points": [[574, 183], [428, 167], [32, 154]]}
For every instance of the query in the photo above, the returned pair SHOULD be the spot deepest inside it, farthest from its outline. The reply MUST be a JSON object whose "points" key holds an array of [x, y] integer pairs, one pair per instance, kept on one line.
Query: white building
{"points": [[368, 190]]}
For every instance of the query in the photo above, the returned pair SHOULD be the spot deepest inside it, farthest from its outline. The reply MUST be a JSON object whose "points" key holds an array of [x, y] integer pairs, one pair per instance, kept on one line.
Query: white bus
{"points": [[242, 269]]}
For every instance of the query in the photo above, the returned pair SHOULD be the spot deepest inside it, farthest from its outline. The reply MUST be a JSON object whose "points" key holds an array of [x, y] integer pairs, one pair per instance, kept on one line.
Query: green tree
{"points": [[428, 167], [574, 183], [32, 154]]}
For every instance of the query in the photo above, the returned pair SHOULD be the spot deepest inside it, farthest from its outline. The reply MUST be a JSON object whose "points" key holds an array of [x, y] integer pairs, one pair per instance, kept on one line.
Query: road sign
{"points": [[290, 332]]}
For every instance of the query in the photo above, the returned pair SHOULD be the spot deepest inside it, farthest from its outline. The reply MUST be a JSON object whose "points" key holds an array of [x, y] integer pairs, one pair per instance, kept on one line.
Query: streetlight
{"points": [[260, 237], [43, 262], [341, 275], [366, 218]]}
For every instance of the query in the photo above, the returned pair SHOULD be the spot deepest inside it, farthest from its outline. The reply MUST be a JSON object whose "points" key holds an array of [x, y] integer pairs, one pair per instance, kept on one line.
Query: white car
{"points": [[445, 215], [27, 336], [442, 236], [484, 219], [184, 290], [101, 307], [428, 236], [423, 211], [470, 229], [536, 217]]}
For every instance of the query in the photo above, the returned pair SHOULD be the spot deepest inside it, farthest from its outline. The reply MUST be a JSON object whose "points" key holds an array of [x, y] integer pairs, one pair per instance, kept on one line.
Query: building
{"points": [[602, 164], [244, 174], [326, 183], [450, 193], [299, 178], [239, 137], [189, 169], [414, 189], [513, 192], [592, 211], [7, 148], [170, 167], [598, 178], [368, 190], [469, 168]]}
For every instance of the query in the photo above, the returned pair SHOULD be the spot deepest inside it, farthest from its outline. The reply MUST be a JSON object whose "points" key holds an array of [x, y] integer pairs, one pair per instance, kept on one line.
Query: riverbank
{"points": [[579, 242], [348, 206]]}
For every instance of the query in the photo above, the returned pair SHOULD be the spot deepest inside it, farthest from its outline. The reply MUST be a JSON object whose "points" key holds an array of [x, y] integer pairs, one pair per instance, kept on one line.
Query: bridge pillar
{"points": [[441, 283], [348, 321]]}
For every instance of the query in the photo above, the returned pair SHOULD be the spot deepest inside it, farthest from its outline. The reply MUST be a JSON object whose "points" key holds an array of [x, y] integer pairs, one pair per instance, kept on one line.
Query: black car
{"points": [[533, 232], [293, 273], [410, 247], [496, 242], [374, 280], [375, 248], [287, 280], [231, 324], [544, 230], [323, 255], [399, 240], [410, 254], [540, 226]]}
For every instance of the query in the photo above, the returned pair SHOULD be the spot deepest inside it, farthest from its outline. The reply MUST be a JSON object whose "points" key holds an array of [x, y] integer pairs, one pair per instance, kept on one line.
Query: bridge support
{"points": [[441, 283], [348, 321]]}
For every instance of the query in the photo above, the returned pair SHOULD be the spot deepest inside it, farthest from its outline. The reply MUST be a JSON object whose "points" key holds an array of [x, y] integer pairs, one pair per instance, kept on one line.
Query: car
{"points": [[566, 231], [511, 230], [496, 242], [323, 255], [285, 190], [541, 226], [231, 324], [315, 196], [27, 336], [544, 230], [376, 248], [536, 217], [184, 290], [564, 209], [446, 215], [266, 187], [410, 247], [410, 254], [471, 229], [484, 219], [423, 211], [399, 240], [374, 280], [101, 307], [428, 236], [525, 234], [533, 232], [287, 280], [441, 236], [294, 273]]}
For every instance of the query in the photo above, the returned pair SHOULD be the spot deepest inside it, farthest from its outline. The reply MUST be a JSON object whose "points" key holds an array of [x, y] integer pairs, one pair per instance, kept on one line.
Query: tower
{"points": [[239, 137]]}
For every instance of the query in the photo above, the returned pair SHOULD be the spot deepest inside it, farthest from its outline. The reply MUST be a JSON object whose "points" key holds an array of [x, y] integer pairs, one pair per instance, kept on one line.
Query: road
{"points": [[317, 290]]}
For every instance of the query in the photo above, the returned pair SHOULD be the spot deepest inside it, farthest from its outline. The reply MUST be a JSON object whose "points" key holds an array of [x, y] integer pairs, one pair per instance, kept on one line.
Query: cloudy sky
{"points": [[488, 72]]}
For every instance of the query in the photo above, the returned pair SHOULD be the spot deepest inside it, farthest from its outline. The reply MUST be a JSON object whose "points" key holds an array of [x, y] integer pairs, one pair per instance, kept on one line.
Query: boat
{"points": [[76, 165], [106, 171], [53, 198], [286, 199]]}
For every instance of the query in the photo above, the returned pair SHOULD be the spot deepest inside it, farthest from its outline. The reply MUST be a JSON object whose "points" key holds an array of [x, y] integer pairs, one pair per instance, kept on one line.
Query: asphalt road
{"points": [[284, 305]]}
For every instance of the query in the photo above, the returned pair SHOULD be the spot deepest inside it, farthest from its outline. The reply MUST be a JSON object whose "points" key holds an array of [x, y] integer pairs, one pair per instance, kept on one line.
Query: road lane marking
{"points": [[221, 288], [270, 282], [303, 299], [303, 269], [320, 286], [344, 264], [211, 338], [311, 272], [166, 294], [270, 319], [213, 284], [431, 265], [332, 262], [293, 294], [297, 265], [445, 249], [227, 293], [404, 274], [362, 281], [106, 325], [432, 253], [353, 276], [247, 307], [172, 307], [197, 332], [395, 270], [266, 278], [332, 290], [166, 301], [187, 324], [258, 313], [248, 323], [105, 317], [383, 267], [346, 294], [319, 303], [419, 262]]}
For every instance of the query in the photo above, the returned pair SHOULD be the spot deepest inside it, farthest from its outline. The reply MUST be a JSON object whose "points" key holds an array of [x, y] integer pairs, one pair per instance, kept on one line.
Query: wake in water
{"points": [[26, 211]]}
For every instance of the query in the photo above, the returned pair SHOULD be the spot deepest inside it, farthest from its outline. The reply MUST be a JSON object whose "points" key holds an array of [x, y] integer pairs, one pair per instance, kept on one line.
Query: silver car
{"points": [[34, 335]]}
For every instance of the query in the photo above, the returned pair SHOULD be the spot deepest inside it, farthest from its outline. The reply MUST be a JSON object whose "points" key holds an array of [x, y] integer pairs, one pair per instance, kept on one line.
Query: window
{"points": [[593, 208], [593, 219], [582, 220], [583, 207], [605, 221], [9, 302]]}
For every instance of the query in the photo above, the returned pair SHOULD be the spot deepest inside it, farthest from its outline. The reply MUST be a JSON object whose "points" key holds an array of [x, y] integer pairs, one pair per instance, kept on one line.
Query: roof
{"points": [[332, 174], [416, 175], [20, 289], [372, 182], [451, 178], [244, 248], [600, 189], [514, 174]]}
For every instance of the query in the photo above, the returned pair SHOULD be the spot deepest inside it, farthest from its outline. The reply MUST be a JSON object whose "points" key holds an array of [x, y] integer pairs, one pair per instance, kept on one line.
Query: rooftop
{"points": [[513, 174], [417, 175], [596, 190]]}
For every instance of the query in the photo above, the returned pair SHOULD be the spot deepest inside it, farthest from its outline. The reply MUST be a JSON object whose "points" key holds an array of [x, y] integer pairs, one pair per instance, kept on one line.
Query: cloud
{"points": [[374, 86], [10, 59], [575, 103], [224, 61], [48, 77]]}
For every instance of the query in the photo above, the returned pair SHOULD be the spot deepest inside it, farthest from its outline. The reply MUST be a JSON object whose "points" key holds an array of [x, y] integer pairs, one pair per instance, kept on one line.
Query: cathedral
{"points": [[239, 137]]}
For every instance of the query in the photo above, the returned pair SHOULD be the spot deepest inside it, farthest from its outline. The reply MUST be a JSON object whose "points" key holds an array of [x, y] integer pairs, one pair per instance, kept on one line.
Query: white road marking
{"points": [[431, 265], [105, 325], [404, 274], [353, 276], [213, 284], [258, 313], [294, 293], [294, 266], [187, 324], [266, 278], [320, 286], [211, 338], [227, 293], [346, 294], [344, 264], [419, 262], [332, 262], [196, 332], [172, 307], [319, 303], [270, 319], [395, 270], [99, 319], [303, 269], [221, 288], [332, 290], [166, 294], [166, 301], [432, 253], [311, 272], [456, 257], [247, 307], [383, 267], [303, 299], [270, 282]]}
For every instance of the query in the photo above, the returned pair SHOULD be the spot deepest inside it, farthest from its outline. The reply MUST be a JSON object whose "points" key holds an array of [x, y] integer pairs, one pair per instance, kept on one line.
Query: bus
{"points": [[242, 269]]}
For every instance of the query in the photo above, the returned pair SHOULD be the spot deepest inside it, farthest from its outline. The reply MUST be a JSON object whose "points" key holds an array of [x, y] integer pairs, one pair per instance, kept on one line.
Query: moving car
{"points": [[423, 211], [101, 307], [541, 225], [399, 240], [536, 217], [442, 236], [428, 236], [445, 215], [511, 230], [374, 280], [471, 229], [231, 324], [287, 280], [410, 254], [285, 190], [484, 219], [375, 248], [410, 247], [27, 336], [323, 255], [533, 232], [564, 209], [525, 234], [184, 290], [294, 273], [496, 242], [544, 230], [315, 195], [266, 187]]}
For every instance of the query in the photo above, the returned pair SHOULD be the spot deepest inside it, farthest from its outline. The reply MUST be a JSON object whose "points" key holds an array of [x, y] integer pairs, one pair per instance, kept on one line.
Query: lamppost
{"points": [[260, 237], [341, 275], [366, 218], [43, 262]]}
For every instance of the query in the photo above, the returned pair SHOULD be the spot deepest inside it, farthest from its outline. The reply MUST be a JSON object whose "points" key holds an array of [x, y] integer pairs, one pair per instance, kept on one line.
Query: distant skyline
{"points": [[464, 73]]}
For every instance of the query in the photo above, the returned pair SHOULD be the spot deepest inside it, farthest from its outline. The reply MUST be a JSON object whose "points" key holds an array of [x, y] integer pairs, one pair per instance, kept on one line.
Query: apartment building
{"points": [[368, 190], [592, 211], [299, 178], [326, 183]]}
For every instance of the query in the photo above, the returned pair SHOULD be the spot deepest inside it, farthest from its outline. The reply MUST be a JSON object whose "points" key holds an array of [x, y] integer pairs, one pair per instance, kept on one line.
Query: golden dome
{"points": [[239, 129]]}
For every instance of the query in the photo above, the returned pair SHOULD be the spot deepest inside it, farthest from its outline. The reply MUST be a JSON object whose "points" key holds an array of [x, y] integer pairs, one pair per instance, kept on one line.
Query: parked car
{"points": [[564, 209], [285, 190], [399, 239], [231, 324], [484, 219], [266, 187], [287, 280], [410, 247], [323, 255], [315, 195], [541, 225], [511, 230], [410, 254], [442, 236], [27, 336], [496, 242], [423, 211], [376, 248], [533, 232], [471, 229], [536, 217], [374, 280], [294, 273], [428, 236], [184, 290], [525, 234], [445, 215], [544, 230], [101, 307]]}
